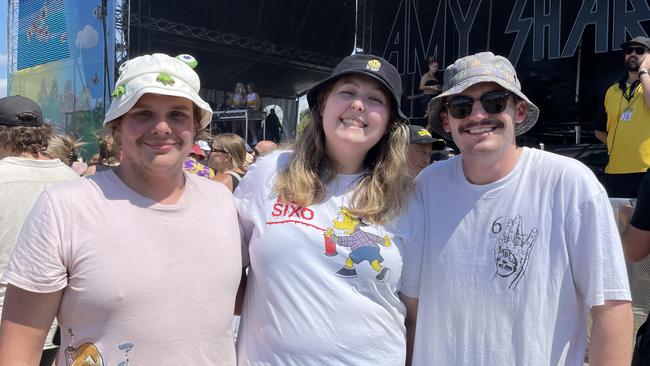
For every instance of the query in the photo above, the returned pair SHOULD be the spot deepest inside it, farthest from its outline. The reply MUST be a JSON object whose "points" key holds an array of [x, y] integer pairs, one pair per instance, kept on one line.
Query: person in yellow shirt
{"points": [[625, 129]]}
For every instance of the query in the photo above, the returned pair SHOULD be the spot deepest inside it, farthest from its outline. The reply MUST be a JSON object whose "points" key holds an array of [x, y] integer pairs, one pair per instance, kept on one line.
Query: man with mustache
{"points": [[625, 128], [111, 256], [511, 265]]}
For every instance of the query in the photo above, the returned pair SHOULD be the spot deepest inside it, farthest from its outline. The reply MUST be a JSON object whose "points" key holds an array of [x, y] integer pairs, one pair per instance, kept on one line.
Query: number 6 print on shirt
{"points": [[511, 250]]}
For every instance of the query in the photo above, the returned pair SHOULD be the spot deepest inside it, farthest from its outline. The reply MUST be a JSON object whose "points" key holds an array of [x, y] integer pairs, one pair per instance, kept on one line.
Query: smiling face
{"points": [[156, 134], [355, 116], [482, 133]]}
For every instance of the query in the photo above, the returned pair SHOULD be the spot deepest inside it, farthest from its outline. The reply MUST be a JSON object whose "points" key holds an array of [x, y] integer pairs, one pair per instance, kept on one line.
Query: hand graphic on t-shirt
{"points": [[511, 251]]}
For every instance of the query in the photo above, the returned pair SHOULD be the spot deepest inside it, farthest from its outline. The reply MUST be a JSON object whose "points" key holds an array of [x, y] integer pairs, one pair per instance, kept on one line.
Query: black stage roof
{"points": [[282, 46]]}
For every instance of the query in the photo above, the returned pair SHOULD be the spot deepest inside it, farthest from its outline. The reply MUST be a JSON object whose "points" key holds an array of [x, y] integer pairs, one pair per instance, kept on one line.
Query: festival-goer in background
{"points": [[264, 148], [228, 159], [325, 265], [429, 83], [25, 172], [238, 98], [238, 101], [103, 254], [625, 128], [253, 102], [193, 163], [108, 157], [65, 148], [273, 126], [421, 145], [521, 244], [252, 98]]}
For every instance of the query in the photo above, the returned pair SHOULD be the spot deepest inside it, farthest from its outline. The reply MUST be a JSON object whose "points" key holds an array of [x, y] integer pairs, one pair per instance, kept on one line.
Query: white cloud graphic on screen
{"points": [[87, 37]]}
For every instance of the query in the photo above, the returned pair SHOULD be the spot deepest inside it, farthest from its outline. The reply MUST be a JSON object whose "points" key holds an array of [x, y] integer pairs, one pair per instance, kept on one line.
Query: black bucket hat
{"points": [[17, 111], [370, 65]]}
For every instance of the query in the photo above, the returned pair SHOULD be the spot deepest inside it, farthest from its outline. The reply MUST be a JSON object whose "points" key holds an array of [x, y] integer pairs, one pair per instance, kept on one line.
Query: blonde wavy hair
{"points": [[383, 191]]}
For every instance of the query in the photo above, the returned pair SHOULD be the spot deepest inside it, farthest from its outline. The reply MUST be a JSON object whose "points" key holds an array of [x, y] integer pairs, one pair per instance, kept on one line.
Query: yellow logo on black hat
{"points": [[424, 132], [373, 65]]}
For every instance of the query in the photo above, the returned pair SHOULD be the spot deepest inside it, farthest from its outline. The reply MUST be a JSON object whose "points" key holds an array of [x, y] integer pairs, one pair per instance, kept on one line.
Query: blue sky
{"points": [[3, 48]]}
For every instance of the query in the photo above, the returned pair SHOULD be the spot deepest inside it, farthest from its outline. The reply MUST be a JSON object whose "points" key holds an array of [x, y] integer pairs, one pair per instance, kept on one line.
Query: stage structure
{"points": [[61, 56], [566, 52], [283, 46]]}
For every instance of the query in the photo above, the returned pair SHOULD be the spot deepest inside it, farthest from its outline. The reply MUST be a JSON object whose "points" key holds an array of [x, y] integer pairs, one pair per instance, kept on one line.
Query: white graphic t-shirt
{"points": [[322, 285], [510, 269]]}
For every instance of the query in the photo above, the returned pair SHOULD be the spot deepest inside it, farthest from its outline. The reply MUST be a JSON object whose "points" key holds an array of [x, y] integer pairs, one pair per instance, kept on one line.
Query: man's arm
{"points": [[611, 334], [601, 136], [411, 317], [636, 242], [645, 79], [26, 319]]}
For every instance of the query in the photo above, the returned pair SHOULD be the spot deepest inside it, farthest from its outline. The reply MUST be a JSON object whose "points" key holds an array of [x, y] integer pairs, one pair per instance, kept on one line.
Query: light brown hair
{"points": [[382, 192], [234, 145]]}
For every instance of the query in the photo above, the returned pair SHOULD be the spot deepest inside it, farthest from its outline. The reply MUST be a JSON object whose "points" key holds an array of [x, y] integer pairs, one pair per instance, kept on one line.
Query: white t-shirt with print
{"points": [[300, 308], [510, 269], [140, 279]]}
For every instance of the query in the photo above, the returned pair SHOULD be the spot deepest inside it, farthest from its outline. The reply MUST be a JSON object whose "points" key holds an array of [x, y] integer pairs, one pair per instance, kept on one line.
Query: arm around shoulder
{"points": [[26, 319]]}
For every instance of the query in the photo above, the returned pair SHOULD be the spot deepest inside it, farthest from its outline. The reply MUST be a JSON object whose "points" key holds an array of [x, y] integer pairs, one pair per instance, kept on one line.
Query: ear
{"points": [[522, 112], [445, 122]]}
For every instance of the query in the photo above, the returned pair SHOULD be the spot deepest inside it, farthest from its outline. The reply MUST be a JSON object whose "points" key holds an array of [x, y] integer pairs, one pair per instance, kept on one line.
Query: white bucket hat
{"points": [[157, 74]]}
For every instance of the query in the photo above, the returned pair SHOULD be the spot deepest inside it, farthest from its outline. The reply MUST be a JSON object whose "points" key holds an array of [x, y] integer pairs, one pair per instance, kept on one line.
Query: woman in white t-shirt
{"points": [[325, 256]]}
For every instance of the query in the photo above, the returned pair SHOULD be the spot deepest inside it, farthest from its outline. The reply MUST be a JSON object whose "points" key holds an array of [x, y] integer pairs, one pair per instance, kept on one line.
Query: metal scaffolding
{"points": [[12, 42], [122, 33], [363, 35], [290, 55]]}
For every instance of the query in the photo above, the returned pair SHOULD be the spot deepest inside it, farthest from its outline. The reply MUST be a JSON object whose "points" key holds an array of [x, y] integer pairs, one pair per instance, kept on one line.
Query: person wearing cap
{"points": [[512, 265], [193, 166], [325, 260], [109, 256], [26, 170], [624, 126], [421, 145]]}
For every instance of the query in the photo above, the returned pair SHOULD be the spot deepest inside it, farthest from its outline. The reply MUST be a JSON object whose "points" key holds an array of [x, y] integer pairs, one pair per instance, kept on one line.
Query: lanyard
{"points": [[633, 88]]}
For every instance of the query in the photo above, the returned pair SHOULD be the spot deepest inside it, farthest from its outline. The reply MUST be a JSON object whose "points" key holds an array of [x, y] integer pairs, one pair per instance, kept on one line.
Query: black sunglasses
{"points": [[637, 50], [460, 106]]}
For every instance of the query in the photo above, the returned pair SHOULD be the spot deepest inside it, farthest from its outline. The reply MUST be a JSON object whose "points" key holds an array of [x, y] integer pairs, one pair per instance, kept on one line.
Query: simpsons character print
{"points": [[346, 230], [513, 245]]}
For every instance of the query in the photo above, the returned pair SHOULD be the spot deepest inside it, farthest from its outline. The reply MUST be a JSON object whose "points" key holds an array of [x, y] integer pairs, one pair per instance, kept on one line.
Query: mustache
{"points": [[154, 141], [486, 122]]}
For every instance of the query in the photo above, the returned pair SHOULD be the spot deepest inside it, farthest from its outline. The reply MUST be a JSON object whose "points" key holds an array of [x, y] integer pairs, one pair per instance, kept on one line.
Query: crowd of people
{"points": [[346, 247]]}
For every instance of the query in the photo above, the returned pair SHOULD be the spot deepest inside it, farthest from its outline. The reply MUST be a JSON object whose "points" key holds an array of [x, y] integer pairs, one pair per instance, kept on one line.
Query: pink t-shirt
{"points": [[152, 283]]}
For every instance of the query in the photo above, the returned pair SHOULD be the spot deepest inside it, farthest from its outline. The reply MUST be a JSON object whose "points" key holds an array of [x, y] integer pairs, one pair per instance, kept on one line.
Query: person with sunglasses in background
{"points": [[511, 264], [228, 159], [624, 126]]}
